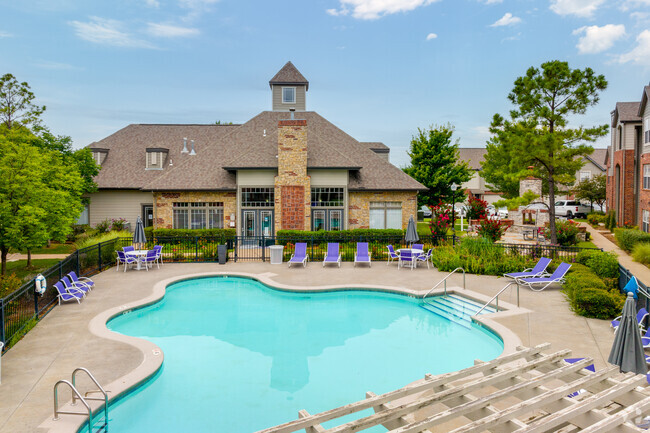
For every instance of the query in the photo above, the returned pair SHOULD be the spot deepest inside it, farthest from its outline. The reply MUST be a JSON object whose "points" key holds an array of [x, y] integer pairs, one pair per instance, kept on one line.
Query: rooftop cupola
{"points": [[288, 88]]}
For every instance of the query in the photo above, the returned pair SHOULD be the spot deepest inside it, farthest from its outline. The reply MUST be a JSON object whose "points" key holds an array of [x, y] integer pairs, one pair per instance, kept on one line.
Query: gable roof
{"points": [[289, 74], [644, 100], [473, 155], [598, 157], [625, 112], [221, 149]]}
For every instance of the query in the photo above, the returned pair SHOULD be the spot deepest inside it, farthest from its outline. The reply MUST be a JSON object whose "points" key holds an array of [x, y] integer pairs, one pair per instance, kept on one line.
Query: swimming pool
{"points": [[240, 356]]}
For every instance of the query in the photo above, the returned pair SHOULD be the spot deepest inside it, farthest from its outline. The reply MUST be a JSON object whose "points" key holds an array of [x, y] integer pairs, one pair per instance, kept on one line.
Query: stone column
{"points": [[292, 184]]}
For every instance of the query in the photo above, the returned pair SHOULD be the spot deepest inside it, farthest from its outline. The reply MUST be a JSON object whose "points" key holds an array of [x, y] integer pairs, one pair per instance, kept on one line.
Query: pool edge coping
{"points": [[153, 356]]}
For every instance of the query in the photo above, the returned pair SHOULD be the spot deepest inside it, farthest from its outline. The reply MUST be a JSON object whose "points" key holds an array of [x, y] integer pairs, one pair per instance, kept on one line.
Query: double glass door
{"points": [[327, 219], [257, 222]]}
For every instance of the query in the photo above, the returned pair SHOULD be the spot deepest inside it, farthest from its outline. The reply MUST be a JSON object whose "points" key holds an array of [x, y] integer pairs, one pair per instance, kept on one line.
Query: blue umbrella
{"points": [[627, 349], [138, 234]]}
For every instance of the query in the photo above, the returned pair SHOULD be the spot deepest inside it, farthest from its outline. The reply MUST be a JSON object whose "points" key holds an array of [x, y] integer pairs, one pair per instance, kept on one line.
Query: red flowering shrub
{"points": [[567, 232], [440, 219], [476, 208], [491, 229]]}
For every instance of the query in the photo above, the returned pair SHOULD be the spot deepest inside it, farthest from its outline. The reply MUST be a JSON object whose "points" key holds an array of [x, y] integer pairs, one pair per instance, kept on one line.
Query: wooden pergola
{"points": [[526, 391]]}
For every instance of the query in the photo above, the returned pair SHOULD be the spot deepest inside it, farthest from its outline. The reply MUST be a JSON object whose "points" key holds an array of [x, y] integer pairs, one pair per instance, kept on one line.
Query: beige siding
{"points": [[256, 177], [300, 104], [328, 177], [590, 167], [474, 182], [117, 204], [629, 136]]}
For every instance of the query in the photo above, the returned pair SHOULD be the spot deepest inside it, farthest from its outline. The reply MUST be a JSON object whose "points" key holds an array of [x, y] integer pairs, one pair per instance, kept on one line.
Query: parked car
{"points": [[571, 208], [426, 211], [502, 212]]}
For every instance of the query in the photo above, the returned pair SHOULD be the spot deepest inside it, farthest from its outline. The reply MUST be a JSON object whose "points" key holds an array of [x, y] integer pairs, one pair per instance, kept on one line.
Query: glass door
{"points": [[319, 220], [335, 219], [249, 223], [147, 215], [266, 217]]}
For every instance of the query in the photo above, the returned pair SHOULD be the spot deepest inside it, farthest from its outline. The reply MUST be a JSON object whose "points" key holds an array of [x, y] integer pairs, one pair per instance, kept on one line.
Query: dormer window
{"points": [[288, 95], [99, 155], [156, 158]]}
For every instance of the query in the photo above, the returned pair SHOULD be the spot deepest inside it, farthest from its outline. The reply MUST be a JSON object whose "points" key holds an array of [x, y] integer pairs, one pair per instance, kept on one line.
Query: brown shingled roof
{"points": [[625, 112], [222, 148], [599, 157], [375, 145], [473, 155], [289, 74]]}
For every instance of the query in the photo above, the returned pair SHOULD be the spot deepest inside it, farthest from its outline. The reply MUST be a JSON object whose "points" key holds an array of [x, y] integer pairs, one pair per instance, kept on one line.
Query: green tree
{"points": [[594, 190], [435, 164], [497, 171], [16, 103], [538, 133]]}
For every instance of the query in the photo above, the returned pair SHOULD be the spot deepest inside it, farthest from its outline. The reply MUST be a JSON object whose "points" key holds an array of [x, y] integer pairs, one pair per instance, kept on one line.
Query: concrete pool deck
{"points": [[66, 338]]}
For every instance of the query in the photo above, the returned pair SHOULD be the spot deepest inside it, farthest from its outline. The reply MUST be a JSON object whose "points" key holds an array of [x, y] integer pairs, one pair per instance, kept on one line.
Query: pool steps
{"points": [[455, 308]]}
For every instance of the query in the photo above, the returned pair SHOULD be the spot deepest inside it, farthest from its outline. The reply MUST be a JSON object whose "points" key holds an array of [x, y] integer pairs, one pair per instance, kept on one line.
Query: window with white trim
{"points": [[288, 95], [197, 215], [385, 215], [646, 133], [585, 175], [646, 220], [646, 176]]}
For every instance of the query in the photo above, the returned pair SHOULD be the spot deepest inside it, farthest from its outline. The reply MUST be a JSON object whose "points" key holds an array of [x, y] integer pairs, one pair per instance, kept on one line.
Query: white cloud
{"points": [[633, 4], [640, 54], [5, 34], [152, 3], [431, 36], [580, 8], [596, 39], [506, 20], [196, 8], [373, 9], [639, 16], [107, 32], [491, 2], [170, 31]]}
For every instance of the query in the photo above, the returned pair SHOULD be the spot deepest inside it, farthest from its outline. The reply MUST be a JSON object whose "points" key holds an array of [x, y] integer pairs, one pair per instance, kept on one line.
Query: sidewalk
{"points": [[641, 272], [16, 257]]}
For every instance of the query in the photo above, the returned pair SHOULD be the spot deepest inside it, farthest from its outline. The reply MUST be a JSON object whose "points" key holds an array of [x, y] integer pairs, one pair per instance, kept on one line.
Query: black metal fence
{"points": [[22, 308]]}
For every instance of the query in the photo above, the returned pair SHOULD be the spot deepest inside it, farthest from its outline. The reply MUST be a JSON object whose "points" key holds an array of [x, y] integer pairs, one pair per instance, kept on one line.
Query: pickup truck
{"points": [[570, 209]]}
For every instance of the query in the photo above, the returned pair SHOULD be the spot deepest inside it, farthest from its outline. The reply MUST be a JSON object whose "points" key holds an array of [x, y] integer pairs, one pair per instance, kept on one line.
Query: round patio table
{"points": [[138, 254], [415, 253]]}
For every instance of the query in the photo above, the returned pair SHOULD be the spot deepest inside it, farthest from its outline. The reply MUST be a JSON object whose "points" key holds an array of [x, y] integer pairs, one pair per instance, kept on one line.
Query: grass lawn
{"points": [[54, 249], [19, 267], [587, 244], [423, 228]]}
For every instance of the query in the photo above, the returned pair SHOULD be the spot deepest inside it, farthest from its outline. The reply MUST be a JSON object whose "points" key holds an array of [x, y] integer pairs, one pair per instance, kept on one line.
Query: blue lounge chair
{"points": [[640, 318], [425, 257], [122, 258], [332, 255], [81, 280], [152, 258], [556, 277], [70, 285], [300, 254], [68, 295], [406, 258], [538, 271], [645, 339], [392, 255], [362, 255]]}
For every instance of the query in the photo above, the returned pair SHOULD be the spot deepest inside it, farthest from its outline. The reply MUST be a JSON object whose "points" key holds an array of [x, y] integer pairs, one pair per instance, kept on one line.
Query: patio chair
{"points": [[158, 250], [425, 257], [392, 255], [645, 339], [300, 254], [362, 255], [417, 247], [538, 271], [68, 295], [129, 248], [152, 258], [126, 260], [556, 277], [70, 285], [81, 280], [640, 318], [406, 258], [332, 255]]}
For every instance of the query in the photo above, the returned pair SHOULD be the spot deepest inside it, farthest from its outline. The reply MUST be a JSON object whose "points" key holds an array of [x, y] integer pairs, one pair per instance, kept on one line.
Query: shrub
{"points": [[603, 264], [9, 284], [103, 226], [440, 219], [89, 242], [150, 233], [491, 229], [628, 238], [641, 253], [476, 208], [595, 219], [118, 224], [597, 303], [567, 232], [610, 221], [583, 256]]}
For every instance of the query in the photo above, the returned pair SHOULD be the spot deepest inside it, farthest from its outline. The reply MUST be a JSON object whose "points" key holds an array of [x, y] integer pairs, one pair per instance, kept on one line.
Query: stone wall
{"points": [[292, 178], [163, 207], [532, 184], [359, 206]]}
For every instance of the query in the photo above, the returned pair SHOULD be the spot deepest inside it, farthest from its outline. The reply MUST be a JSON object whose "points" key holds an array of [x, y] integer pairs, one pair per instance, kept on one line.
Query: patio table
{"points": [[138, 254], [415, 253]]}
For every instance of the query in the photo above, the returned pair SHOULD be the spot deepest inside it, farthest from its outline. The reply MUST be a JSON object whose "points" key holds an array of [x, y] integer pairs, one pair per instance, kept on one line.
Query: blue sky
{"points": [[378, 69]]}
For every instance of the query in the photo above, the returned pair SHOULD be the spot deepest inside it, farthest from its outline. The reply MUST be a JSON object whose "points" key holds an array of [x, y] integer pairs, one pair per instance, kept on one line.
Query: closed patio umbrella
{"points": [[411, 232], [627, 350], [138, 233]]}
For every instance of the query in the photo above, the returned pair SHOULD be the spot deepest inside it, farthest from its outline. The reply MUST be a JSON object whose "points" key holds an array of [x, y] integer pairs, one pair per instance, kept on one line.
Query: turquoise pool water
{"points": [[240, 357]]}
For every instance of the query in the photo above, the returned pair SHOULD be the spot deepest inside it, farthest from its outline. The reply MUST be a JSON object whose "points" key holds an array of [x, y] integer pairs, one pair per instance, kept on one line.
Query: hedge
{"points": [[628, 238], [588, 294], [202, 233], [339, 235], [603, 264]]}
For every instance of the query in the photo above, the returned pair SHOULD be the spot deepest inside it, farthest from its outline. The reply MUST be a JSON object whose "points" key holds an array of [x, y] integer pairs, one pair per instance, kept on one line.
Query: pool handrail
{"points": [[497, 297], [58, 412], [99, 389], [445, 281]]}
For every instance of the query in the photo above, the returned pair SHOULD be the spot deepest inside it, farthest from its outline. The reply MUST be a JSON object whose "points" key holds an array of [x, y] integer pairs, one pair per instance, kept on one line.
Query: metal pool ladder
{"points": [[77, 396]]}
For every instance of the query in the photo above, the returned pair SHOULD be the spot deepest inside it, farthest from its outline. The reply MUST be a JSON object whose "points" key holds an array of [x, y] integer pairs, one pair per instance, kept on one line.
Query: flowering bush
{"points": [[567, 232], [476, 208], [440, 219], [491, 229], [118, 224]]}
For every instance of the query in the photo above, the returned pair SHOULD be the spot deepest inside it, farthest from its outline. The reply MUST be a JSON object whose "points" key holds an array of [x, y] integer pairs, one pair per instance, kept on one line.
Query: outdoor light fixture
{"points": [[453, 187]]}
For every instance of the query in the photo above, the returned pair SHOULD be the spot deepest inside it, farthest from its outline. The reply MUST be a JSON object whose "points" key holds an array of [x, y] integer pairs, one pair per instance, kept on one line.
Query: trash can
{"points": [[222, 253], [276, 254]]}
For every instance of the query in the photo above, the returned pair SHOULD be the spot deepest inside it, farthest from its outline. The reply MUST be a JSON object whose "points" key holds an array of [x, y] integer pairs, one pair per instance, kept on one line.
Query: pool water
{"points": [[240, 356]]}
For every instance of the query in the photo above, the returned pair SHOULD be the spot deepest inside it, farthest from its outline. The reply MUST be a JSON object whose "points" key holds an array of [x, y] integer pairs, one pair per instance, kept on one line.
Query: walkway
{"points": [[16, 257], [640, 271], [62, 340]]}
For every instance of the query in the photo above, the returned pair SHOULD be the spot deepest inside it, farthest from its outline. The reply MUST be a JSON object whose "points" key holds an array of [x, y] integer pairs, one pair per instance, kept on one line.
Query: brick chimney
{"points": [[292, 184]]}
